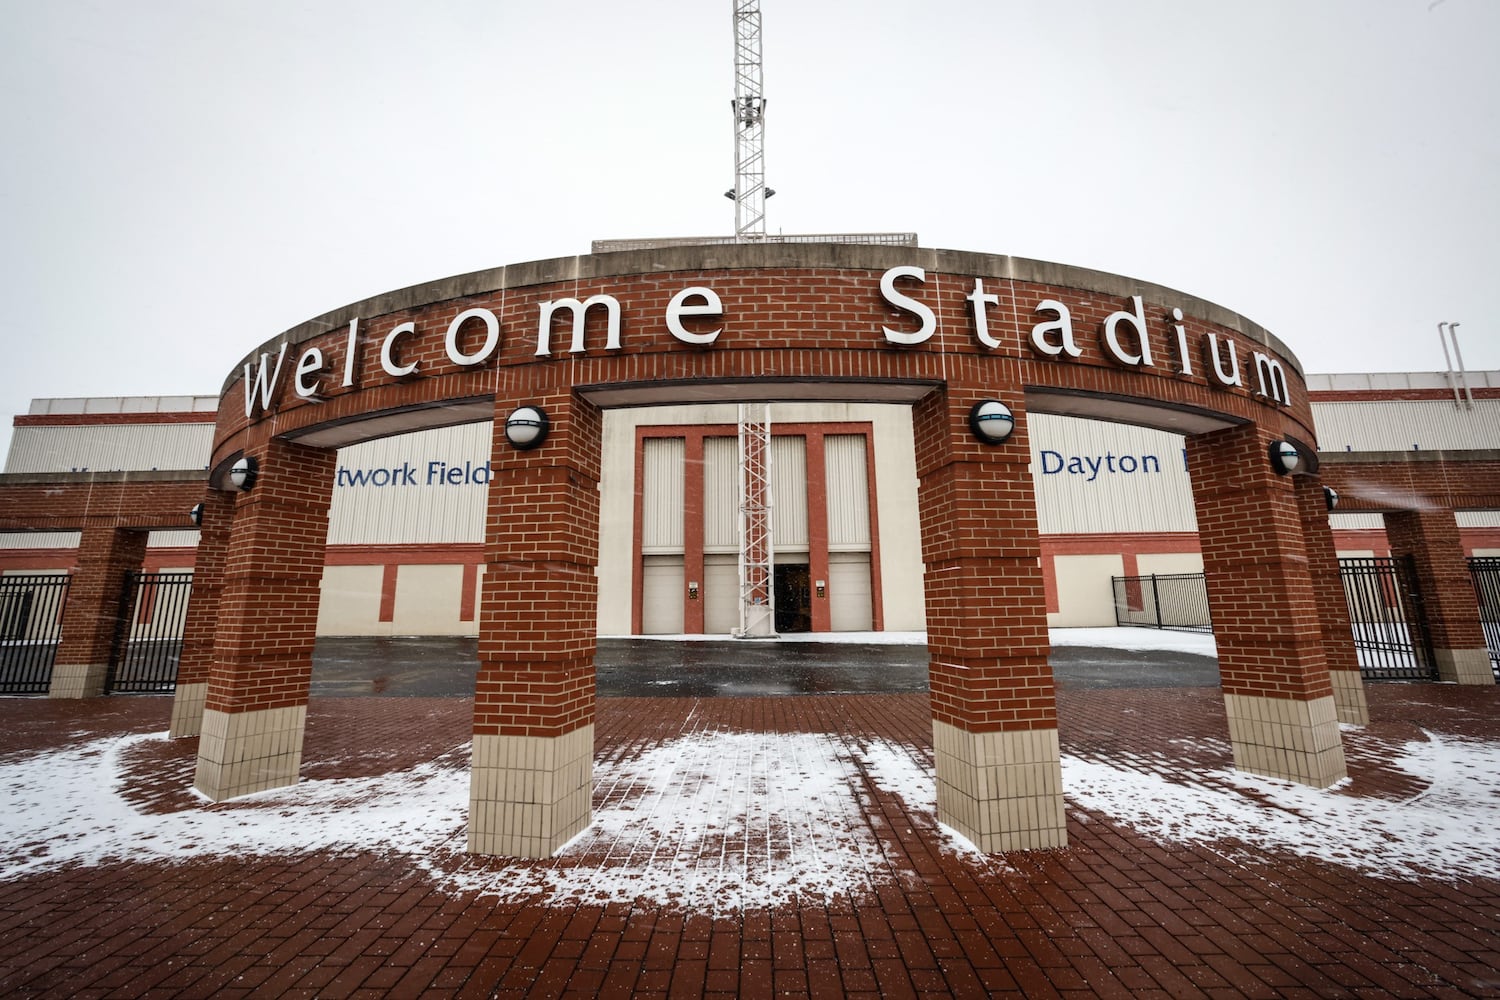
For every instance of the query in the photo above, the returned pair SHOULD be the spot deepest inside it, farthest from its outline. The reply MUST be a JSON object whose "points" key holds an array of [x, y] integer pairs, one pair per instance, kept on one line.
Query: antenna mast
{"points": [[749, 192]]}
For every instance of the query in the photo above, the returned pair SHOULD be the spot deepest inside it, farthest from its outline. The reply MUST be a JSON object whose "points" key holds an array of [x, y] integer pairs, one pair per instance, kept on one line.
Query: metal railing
{"points": [[31, 610], [1166, 601], [149, 642], [1485, 571], [1388, 618]]}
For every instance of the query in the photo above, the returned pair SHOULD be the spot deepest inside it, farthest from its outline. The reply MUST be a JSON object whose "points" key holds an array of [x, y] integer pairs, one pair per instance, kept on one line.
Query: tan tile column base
{"points": [[249, 752], [1003, 791], [1285, 738], [530, 795], [77, 680], [187, 710], [1459, 666], [1349, 697]]}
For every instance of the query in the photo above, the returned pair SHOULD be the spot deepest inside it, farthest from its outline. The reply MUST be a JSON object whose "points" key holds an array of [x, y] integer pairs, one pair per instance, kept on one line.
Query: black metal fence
{"points": [[31, 610], [1386, 612], [1485, 571], [1167, 601], [149, 642]]}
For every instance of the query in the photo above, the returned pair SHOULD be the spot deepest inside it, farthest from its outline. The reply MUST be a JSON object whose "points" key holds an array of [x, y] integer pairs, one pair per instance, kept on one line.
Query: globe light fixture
{"points": [[1284, 457], [991, 421], [526, 428], [243, 473]]}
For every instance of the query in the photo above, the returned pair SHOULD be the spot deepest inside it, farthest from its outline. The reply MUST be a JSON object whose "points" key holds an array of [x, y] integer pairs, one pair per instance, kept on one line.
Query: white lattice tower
{"points": [[757, 558], [749, 126]]}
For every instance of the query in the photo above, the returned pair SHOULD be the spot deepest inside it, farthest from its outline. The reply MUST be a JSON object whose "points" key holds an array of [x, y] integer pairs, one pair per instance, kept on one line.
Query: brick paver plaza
{"points": [[723, 860]]}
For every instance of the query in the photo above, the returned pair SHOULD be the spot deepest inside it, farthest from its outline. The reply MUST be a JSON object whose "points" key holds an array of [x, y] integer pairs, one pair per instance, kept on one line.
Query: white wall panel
{"points": [[1094, 477], [39, 539], [428, 487], [1085, 590], [721, 494], [110, 448], [849, 607], [662, 494], [789, 488], [1401, 425], [662, 591], [848, 493]]}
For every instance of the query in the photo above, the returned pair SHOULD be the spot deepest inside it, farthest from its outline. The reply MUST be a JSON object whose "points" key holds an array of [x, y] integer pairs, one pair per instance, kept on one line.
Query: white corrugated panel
{"points": [[1351, 522], [721, 594], [172, 540], [662, 485], [115, 448], [39, 539], [789, 488], [661, 595], [848, 485], [849, 605], [426, 487], [1479, 519], [1405, 424], [1092, 477], [721, 495]]}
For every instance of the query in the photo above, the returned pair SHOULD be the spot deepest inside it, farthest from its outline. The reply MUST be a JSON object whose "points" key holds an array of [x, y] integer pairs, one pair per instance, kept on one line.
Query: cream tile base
{"points": [[1349, 697], [1003, 791], [1464, 666], [187, 710], [249, 751], [77, 680], [1283, 738], [530, 795]]}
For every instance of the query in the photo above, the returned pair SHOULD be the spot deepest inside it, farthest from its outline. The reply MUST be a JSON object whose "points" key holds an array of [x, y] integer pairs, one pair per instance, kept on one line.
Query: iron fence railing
{"points": [[1165, 601]]}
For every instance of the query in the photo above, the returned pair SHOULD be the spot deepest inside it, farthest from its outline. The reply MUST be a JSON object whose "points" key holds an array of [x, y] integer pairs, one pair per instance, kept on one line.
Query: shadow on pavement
{"points": [[445, 666]]}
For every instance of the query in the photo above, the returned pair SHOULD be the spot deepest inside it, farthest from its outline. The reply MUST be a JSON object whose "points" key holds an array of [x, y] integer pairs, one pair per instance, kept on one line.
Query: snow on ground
{"points": [[1446, 830], [722, 820]]}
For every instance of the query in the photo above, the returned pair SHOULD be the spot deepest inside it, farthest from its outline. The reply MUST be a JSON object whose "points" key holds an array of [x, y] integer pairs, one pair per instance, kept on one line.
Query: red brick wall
{"points": [[1323, 568], [539, 602], [1430, 538], [268, 608], [196, 660], [1266, 619], [92, 615]]}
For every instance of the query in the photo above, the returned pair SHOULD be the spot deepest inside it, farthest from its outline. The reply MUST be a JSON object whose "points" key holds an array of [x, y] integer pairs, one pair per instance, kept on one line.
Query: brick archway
{"points": [[936, 330]]}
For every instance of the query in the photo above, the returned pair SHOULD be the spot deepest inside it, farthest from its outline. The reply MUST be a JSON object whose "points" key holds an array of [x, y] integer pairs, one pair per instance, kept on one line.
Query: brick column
{"points": [[196, 659], [1283, 719], [1333, 606], [1431, 538], [256, 706], [93, 614], [532, 776], [994, 710]]}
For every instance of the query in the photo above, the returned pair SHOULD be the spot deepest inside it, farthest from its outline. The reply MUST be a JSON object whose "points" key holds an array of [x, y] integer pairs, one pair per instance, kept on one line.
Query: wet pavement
{"points": [[445, 666]]}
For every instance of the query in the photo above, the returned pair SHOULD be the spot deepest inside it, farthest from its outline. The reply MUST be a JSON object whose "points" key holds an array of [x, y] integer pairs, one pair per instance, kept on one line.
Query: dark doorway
{"points": [[793, 598]]}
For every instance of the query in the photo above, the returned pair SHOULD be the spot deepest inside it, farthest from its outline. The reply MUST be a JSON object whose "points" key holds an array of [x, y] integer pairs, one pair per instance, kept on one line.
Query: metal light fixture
{"points": [[196, 515], [527, 428], [242, 474], [1331, 495], [1284, 457], [991, 421]]}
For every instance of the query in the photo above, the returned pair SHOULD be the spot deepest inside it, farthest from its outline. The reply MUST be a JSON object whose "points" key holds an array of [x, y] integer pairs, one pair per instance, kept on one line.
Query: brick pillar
{"points": [[1333, 606], [994, 709], [532, 776], [1283, 719], [196, 659], [256, 706], [1431, 538], [92, 616]]}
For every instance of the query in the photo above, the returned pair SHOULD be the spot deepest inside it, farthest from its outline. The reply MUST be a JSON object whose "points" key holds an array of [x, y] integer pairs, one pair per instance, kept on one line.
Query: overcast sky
{"points": [[184, 179]]}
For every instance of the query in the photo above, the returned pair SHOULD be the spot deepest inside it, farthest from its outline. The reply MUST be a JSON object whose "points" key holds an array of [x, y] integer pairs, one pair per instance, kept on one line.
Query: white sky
{"points": [[183, 180]]}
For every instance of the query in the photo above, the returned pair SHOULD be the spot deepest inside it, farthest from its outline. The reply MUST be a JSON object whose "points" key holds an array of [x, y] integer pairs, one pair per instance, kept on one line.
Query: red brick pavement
{"points": [[1115, 914]]}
